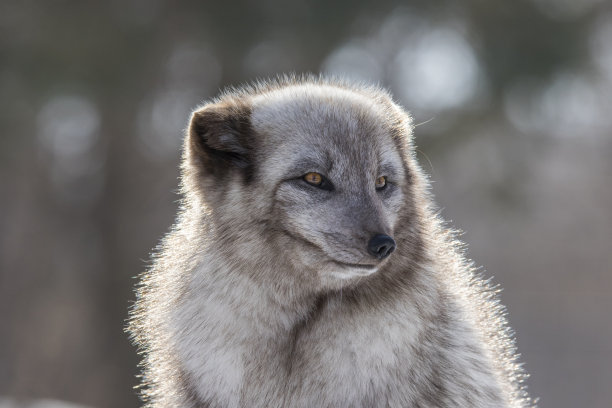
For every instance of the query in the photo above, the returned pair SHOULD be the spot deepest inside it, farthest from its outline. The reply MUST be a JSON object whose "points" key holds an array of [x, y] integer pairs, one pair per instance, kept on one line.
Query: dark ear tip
{"points": [[197, 130], [202, 117], [204, 123]]}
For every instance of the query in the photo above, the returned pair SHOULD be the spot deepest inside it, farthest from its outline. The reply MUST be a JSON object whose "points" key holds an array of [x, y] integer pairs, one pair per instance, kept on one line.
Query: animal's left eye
{"points": [[313, 178], [381, 182]]}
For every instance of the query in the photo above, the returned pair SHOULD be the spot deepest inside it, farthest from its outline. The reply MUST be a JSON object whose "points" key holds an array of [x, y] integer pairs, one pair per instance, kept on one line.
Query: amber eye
{"points": [[381, 182], [313, 178]]}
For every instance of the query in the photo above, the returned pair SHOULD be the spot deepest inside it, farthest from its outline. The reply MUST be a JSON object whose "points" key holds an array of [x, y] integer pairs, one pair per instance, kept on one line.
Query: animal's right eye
{"points": [[313, 178], [318, 180]]}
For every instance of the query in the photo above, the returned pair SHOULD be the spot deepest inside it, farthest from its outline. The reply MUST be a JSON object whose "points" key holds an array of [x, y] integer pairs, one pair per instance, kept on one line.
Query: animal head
{"points": [[319, 173]]}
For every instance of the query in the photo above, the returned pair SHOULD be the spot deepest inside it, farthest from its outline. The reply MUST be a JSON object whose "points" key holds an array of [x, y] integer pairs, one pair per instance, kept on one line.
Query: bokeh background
{"points": [[514, 105]]}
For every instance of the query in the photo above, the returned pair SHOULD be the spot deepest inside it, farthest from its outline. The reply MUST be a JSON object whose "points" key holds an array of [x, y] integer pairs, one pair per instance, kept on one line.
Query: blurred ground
{"points": [[514, 100]]}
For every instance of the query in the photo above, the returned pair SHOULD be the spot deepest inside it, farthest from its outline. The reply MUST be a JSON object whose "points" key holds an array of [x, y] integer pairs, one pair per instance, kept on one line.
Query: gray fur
{"points": [[264, 295]]}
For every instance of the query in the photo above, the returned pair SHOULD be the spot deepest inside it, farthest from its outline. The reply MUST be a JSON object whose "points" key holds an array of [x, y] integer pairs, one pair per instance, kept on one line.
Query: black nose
{"points": [[381, 246]]}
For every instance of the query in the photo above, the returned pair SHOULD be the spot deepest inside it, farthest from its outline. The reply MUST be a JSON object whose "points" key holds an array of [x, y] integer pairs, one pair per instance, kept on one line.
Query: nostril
{"points": [[381, 246]]}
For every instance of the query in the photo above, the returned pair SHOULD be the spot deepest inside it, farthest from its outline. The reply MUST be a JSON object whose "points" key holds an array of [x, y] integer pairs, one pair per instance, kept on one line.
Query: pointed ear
{"points": [[221, 139]]}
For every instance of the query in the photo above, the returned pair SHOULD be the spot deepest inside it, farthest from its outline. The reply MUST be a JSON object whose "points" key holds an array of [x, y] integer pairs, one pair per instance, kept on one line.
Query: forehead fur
{"points": [[327, 123]]}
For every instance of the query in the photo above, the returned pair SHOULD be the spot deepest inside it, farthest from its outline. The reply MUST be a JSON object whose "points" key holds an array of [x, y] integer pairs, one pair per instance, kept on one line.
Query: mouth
{"points": [[364, 267], [350, 270]]}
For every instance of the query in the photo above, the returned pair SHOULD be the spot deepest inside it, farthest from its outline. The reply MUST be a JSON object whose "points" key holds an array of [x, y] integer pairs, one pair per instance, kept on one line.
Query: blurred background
{"points": [[514, 102]]}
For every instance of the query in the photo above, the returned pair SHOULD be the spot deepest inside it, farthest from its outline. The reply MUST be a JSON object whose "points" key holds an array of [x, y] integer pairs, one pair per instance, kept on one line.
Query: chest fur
{"points": [[330, 359]]}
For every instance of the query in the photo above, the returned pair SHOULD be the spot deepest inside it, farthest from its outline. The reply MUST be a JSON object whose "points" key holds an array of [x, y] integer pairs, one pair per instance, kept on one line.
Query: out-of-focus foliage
{"points": [[513, 100]]}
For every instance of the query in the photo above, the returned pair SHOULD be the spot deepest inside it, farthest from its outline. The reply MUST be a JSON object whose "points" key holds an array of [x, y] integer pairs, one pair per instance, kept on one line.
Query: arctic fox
{"points": [[308, 268]]}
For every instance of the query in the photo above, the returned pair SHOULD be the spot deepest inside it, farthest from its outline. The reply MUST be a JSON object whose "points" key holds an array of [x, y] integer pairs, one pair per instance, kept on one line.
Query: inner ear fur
{"points": [[221, 138]]}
